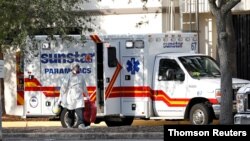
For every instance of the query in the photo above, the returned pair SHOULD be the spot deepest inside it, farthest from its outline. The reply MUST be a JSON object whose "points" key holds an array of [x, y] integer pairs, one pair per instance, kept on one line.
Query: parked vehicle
{"points": [[243, 106], [153, 76]]}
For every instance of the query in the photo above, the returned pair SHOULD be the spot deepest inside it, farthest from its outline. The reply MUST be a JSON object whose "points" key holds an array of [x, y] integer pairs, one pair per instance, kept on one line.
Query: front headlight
{"points": [[240, 103]]}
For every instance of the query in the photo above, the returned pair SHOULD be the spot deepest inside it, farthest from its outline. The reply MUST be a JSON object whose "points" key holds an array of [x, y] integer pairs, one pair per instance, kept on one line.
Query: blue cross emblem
{"points": [[133, 66]]}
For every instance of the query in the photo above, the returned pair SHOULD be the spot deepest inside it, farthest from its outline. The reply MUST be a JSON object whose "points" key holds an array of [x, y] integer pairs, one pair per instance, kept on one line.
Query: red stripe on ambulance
{"points": [[113, 79], [95, 38]]}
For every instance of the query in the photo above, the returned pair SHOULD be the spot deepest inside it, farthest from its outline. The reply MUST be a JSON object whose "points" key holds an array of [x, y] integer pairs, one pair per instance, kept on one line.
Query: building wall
{"points": [[244, 5], [128, 24], [207, 35], [110, 5], [126, 14], [10, 83]]}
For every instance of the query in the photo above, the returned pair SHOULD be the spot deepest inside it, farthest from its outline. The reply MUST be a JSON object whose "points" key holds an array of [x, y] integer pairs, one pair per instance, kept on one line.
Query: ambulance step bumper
{"points": [[242, 119]]}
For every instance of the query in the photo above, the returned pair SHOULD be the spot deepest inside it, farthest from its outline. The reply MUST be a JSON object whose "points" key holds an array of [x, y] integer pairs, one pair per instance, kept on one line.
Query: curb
{"points": [[78, 136], [9, 124]]}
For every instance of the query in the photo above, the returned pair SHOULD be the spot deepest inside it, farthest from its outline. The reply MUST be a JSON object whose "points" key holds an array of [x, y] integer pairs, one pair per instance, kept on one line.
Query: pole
{"points": [[197, 23], [1, 99]]}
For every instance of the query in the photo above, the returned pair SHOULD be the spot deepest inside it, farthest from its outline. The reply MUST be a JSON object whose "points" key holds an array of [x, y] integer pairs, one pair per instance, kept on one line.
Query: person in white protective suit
{"points": [[72, 93]]}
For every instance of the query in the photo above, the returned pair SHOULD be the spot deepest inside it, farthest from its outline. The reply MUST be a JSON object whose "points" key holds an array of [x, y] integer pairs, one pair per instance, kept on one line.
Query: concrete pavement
{"points": [[93, 133], [52, 130]]}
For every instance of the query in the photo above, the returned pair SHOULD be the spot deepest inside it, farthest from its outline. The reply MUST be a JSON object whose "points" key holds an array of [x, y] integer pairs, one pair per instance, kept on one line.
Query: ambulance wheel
{"points": [[69, 119], [128, 121], [119, 122], [200, 114]]}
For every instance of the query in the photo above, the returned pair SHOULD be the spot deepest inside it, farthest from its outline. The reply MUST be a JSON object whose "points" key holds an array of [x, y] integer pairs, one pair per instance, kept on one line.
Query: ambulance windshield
{"points": [[200, 66]]}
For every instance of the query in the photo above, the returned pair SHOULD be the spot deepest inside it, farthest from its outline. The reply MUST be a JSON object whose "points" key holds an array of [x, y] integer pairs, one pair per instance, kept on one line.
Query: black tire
{"points": [[69, 119], [98, 120], [200, 114], [128, 121], [119, 121]]}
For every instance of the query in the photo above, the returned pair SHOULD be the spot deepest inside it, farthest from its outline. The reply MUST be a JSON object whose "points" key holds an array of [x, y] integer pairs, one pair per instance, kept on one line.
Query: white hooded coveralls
{"points": [[72, 90]]}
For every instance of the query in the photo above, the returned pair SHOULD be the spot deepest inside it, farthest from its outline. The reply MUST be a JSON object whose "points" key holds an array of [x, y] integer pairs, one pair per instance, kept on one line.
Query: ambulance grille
{"points": [[234, 94]]}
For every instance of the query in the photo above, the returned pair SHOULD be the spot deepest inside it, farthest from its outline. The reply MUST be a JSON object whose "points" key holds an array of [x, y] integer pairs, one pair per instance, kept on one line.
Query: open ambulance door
{"points": [[112, 69], [32, 95], [112, 85]]}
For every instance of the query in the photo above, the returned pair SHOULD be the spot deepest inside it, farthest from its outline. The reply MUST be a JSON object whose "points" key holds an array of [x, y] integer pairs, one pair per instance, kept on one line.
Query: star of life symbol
{"points": [[133, 66]]}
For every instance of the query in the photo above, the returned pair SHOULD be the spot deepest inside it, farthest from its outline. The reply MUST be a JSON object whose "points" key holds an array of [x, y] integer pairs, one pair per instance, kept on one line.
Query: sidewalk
{"points": [[6, 124]]}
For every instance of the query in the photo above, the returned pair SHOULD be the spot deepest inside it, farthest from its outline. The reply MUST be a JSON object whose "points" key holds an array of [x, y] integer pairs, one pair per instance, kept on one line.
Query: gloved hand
{"points": [[59, 102], [86, 96]]}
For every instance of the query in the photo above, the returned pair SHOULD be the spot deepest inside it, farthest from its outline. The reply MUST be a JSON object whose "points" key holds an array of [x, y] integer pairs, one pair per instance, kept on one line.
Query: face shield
{"points": [[75, 68]]}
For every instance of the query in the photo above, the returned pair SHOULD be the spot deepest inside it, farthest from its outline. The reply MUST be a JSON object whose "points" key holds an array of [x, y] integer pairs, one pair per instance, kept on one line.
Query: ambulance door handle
{"points": [[127, 77], [48, 103], [107, 80]]}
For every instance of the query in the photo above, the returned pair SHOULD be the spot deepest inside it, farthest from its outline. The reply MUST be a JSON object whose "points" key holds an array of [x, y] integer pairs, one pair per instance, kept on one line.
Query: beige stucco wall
{"points": [[207, 35], [10, 84]]}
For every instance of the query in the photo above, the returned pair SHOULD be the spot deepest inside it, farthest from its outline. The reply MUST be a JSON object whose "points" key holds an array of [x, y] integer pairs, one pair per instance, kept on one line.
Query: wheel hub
{"points": [[70, 120], [198, 117]]}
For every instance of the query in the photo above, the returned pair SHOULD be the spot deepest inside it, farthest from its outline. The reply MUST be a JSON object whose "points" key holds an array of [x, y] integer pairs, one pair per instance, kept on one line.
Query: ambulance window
{"points": [[112, 61], [169, 70]]}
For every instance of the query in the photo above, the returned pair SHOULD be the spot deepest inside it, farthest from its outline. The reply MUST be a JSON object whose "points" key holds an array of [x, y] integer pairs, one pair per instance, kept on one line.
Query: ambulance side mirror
{"points": [[112, 61]]}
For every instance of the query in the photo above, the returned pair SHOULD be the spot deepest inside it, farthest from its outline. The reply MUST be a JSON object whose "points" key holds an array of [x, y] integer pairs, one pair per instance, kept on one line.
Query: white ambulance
{"points": [[154, 76]]}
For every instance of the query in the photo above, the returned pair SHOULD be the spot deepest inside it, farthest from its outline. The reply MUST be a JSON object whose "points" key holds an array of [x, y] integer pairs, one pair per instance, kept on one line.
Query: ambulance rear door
{"points": [[32, 94], [112, 69]]}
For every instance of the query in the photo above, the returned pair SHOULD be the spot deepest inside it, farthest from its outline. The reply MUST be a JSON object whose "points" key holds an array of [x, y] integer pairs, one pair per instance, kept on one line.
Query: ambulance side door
{"points": [[170, 87], [132, 79]]}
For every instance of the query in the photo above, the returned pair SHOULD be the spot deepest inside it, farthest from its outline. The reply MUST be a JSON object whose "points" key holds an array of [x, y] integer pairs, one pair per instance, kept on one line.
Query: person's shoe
{"points": [[87, 127], [81, 126]]}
